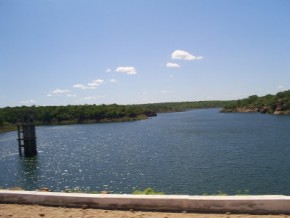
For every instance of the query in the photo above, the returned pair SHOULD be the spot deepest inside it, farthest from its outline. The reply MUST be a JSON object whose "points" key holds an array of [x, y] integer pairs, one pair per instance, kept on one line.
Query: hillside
{"points": [[272, 104]]}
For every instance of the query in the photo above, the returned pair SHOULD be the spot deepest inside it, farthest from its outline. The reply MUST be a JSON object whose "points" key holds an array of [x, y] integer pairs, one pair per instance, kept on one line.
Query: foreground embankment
{"points": [[268, 204], [16, 211]]}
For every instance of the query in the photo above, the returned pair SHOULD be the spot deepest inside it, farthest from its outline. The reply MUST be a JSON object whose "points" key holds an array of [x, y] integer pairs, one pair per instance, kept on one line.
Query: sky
{"points": [[61, 52]]}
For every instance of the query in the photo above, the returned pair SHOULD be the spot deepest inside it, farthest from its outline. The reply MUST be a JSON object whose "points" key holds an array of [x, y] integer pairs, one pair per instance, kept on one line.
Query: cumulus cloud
{"points": [[71, 95], [57, 92], [90, 98], [184, 55], [28, 102], [108, 70], [198, 57], [96, 83], [172, 65], [90, 85], [127, 70], [79, 86]]}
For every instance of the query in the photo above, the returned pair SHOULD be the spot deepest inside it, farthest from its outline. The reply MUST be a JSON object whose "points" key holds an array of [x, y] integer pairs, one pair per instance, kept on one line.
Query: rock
{"points": [[264, 109], [247, 109], [44, 189], [277, 112]]}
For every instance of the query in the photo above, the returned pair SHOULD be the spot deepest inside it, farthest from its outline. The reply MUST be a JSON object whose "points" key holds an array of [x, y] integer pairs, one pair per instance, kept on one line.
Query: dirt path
{"points": [[33, 211]]}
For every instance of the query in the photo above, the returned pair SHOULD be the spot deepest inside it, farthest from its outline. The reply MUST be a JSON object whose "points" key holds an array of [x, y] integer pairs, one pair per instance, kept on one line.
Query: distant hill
{"points": [[272, 104]]}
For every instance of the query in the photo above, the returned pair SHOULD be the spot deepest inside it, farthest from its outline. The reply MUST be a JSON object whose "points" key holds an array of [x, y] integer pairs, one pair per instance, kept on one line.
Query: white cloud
{"points": [[172, 65], [184, 55], [79, 86], [57, 92], [280, 88], [28, 102], [127, 70], [95, 83], [108, 70], [71, 95], [113, 80], [90, 98], [91, 85]]}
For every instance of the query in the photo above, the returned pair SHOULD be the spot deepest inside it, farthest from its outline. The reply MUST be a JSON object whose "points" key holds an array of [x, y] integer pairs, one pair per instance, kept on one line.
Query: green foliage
{"points": [[147, 191], [265, 104], [182, 106], [221, 193], [46, 115], [78, 114]]}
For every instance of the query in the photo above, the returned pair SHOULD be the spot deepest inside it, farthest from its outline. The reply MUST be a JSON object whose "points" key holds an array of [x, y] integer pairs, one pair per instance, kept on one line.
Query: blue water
{"points": [[193, 152]]}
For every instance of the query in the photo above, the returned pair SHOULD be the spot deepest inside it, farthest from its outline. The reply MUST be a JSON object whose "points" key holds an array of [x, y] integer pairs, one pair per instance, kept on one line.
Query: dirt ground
{"points": [[33, 211]]}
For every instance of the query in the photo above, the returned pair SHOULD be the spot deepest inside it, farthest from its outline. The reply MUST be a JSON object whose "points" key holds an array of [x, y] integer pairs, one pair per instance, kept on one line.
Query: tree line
{"points": [[47, 115], [74, 114], [278, 103]]}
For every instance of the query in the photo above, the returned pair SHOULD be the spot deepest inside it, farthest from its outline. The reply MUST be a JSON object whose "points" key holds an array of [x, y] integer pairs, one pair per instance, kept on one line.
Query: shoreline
{"points": [[11, 128]]}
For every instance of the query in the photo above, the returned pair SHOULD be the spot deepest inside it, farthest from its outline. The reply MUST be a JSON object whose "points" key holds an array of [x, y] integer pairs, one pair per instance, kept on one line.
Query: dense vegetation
{"points": [[273, 104], [182, 106], [46, 115], [73, 114]]}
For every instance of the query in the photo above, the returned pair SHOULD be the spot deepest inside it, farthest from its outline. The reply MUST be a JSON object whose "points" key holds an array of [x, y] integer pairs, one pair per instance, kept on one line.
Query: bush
{"points": [[147, 191]]}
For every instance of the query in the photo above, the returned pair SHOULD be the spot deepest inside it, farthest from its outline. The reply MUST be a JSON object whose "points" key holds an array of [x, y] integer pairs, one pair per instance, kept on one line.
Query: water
{"points": [[193, 152]]}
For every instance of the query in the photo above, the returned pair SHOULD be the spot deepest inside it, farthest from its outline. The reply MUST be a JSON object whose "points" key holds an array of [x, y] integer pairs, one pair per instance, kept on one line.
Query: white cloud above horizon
{"points": [[96, 83], [90, 98], [172, 65], [57, 92], [28, 102], [128, 70], [184, 55], [91, 85], [281, 88]]}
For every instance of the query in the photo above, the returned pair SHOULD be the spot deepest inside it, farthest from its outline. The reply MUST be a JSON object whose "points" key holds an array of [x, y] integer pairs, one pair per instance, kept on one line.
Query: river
{"points": [[194, 152]]}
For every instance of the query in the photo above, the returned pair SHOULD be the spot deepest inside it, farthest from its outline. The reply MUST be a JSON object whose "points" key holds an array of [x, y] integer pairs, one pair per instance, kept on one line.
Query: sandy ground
{"points": [[31, 211]]}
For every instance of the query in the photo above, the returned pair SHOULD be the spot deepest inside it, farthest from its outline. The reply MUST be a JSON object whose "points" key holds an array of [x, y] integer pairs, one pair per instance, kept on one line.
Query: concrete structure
{"points": [[267, 204], [27, 136]]}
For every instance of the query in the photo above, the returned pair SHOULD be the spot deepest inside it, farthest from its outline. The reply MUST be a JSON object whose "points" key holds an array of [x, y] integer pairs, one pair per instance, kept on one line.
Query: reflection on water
{"points": [[193, 152], [29, 172]]}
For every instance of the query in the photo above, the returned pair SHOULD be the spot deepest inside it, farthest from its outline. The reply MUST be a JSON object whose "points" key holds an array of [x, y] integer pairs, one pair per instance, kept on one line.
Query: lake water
{"points": [[193, 152]]}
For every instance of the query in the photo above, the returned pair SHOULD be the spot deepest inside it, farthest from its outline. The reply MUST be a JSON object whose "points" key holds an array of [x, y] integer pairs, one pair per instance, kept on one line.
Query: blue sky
{"points": [[59, 52]]}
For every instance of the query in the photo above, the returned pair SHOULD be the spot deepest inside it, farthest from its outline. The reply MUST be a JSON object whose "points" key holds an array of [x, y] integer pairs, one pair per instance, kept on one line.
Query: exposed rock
{"points": [[247, 110], [264, 109]]}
